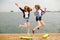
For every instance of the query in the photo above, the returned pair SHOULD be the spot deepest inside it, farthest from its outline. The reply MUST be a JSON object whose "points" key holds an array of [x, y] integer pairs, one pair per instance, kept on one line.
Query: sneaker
{"points": [[28, 34], [20, 26], [33, 31]]}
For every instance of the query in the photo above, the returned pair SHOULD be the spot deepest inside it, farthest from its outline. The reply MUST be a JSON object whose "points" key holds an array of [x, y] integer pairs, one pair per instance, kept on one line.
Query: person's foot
{"points": [[20, 26], [28, 34], [33, 31]]}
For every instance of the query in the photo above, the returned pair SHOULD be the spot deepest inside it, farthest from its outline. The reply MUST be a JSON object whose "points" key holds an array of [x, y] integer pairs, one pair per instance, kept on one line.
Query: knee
{"points": [[40, 25], [43, 25]]}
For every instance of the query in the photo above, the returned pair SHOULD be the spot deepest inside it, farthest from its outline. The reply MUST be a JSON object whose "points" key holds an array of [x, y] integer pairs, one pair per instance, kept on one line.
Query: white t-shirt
{"points": [[39, 12], [26, 14]]}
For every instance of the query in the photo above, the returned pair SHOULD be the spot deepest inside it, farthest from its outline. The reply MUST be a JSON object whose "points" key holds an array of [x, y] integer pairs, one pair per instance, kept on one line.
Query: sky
{"points": [[8, 5]]}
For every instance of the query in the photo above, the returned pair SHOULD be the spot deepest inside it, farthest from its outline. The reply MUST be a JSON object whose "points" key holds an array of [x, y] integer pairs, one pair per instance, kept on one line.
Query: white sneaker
{"points": [[20, 26], [28, 34]]}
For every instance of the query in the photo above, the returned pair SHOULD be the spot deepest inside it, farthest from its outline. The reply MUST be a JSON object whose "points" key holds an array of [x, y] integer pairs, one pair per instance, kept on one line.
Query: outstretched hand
{"points": [[45, 9], [16, 4]]}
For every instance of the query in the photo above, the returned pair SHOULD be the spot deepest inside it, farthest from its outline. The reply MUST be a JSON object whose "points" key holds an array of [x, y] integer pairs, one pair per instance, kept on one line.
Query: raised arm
{"points": [[44, 9], [19, 7]]}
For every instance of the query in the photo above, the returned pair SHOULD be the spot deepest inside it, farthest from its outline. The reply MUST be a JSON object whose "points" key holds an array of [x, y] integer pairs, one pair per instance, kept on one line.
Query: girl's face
{"points": [[37, 7]]}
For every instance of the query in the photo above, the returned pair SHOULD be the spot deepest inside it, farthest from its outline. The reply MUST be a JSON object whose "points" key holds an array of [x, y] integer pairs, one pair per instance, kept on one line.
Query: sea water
{"points": [[10, 21]]}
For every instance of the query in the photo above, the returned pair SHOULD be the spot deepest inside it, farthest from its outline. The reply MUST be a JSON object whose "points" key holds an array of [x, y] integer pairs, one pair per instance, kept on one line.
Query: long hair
{"points": [[27, 8]]}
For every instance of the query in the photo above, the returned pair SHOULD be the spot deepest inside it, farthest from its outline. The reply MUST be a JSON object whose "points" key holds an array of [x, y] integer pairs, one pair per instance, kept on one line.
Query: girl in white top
{"points": [[39, 12], [26, 14]]}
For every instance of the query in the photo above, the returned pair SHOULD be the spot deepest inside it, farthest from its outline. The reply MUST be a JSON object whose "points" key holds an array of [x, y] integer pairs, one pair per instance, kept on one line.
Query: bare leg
{"points": [[23, 26], [42, 23], [28, 26], [37, 26]]}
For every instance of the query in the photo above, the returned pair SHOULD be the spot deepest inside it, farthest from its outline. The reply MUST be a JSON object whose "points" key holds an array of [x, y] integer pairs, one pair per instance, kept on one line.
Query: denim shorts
{"points": [[26, 20]]}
